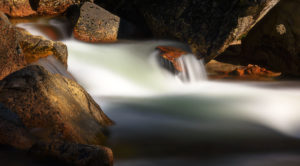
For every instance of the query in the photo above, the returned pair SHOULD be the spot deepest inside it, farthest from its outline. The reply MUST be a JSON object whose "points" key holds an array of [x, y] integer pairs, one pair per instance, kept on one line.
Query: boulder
{"points": [[94, 24], [11, 57], [53, 7], [53, 107], [208, 26], [36, 47], [76, 154], [274, 42], [13, 131], [17, 8]]}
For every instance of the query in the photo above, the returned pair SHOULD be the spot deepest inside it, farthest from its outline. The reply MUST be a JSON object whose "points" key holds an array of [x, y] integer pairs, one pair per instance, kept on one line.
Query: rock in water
{"points": [[53, 107], [208, 26], [275, 41], [94, 24], [36, 47], [11, 57]]}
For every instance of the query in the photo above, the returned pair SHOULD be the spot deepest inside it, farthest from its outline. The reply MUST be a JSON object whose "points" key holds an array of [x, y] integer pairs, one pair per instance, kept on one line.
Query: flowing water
{"points": [[167, 120]]}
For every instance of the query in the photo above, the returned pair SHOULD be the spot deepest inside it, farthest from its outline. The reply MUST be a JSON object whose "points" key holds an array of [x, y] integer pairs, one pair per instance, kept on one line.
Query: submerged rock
{"points": [[274, 43], [11, 57], [94, 24], [17, 8], [208, 26], [36, 47], [53, 107]]}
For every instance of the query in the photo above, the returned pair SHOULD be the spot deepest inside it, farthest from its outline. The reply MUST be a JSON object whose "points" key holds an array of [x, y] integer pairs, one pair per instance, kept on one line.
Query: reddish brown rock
{"points": [[53, 7], [253, 70], [16, 8], [95, 24], [53, 107], [11, 57], [171, 54]]}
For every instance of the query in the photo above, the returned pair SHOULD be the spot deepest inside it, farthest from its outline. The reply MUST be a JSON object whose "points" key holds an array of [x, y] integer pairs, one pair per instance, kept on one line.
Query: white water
{"points": [[148, 103]]}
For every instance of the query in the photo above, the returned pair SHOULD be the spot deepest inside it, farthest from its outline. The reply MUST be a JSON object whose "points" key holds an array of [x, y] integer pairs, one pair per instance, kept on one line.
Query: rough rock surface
{"points": [[208, 26], [12, 130], [94, 24], [76, 154], [17, 8], [36, 47], [23, 8], [53, 107], [275, 41], [53, 7], [11, 57]]}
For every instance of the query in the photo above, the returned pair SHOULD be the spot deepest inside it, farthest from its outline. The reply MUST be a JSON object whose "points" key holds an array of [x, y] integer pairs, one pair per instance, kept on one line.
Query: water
{"points": [[161, 120]]}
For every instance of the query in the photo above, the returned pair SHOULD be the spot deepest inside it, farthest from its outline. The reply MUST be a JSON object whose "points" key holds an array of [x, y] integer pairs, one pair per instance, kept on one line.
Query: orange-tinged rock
{"points": [[171, 54], [253, 70]]}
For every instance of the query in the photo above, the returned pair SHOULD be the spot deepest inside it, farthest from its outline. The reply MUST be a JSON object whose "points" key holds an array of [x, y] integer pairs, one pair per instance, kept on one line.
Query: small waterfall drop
{"points": [[193, 70]]}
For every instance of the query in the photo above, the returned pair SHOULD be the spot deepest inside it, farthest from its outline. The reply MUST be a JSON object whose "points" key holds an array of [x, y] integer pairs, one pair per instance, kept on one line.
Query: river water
{"points": [[163, 121]]}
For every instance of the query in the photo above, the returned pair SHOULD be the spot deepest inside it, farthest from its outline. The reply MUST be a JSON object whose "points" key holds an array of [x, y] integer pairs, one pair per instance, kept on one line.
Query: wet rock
{"points": [[274, 43], [53, 107], [11, 57], [208, 26], [94, 24], [17, 8], [76, 154], [36, 47], [12, 130], [253, 70], [171, 54]]}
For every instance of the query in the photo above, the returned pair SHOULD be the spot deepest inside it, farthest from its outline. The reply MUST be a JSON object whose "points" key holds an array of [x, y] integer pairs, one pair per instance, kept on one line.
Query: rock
{"points": [[171, 54], [274, 42], [76, 154], [53, 7], [36, 47], [94, 24], [208, 26], [11, 57], [53, 107], [253, 70], [17, 8], [12, 130]]}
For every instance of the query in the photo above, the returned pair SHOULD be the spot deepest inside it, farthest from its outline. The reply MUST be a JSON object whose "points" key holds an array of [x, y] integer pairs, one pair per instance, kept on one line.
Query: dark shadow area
{"points": [[34, 4], [13, 157]]}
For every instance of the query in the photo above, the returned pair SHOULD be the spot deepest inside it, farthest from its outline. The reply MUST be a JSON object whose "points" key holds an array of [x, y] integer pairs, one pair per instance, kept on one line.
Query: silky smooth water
{"points": [[161, 120]]}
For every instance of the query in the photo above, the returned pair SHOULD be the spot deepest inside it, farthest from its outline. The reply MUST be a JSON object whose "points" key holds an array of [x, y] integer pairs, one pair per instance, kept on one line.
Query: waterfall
{"points": [[193, 70]]}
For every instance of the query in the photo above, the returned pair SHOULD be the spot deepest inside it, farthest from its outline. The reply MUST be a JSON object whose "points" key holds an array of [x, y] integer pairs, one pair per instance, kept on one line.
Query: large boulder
{"points": [[23, 8], [12, 130], [208, 26], [53, 7], [275, 41], [76, 154], [17, 8], [11, 57], [53, 107], [36, 47], [93, 23]]}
